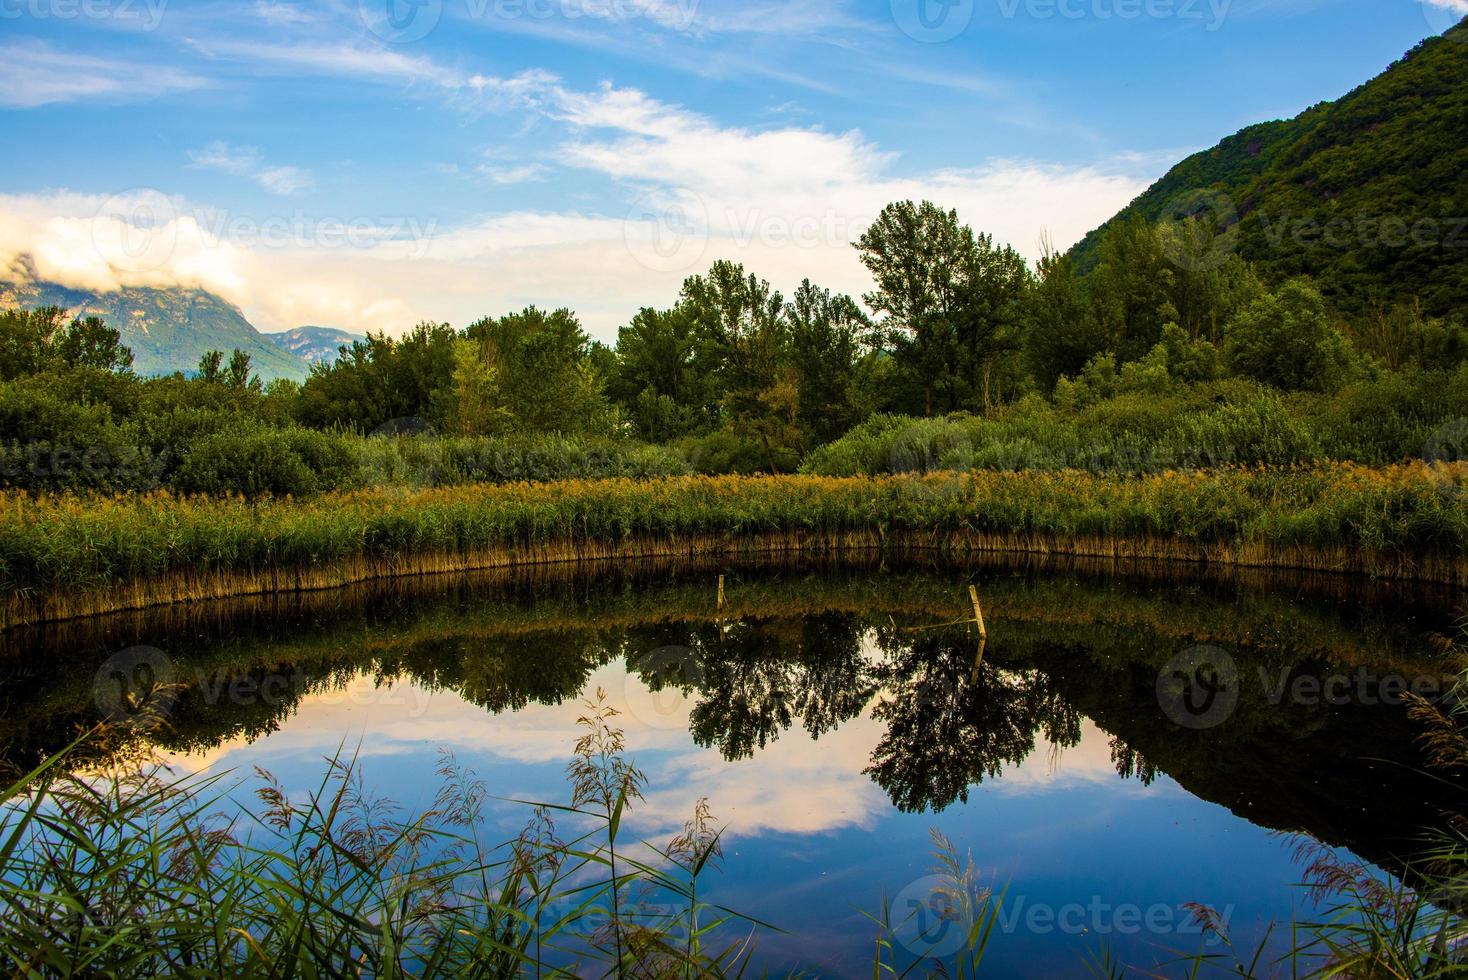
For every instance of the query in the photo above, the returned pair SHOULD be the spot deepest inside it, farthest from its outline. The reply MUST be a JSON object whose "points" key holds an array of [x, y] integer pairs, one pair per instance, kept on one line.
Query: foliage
{"points": [[1285, 339], [62, 543], [132, 871], [1361, 193]]}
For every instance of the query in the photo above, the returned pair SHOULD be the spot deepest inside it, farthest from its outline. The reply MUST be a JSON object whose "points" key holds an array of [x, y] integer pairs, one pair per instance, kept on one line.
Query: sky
{"points": [[368, 164]]}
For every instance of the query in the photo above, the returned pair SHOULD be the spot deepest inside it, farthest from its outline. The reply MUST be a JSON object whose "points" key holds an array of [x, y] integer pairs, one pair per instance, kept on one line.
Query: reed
{"points": [[64, 556], [130, 870]]}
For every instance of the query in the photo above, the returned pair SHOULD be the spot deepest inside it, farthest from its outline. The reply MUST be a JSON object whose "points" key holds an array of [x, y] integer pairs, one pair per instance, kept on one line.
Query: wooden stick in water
{"points": [[973, 594]]}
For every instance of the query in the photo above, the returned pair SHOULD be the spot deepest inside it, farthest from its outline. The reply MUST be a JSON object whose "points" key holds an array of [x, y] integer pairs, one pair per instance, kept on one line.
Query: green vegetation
{"points": [[64, 556], [1163, 345], [1364, 194], [133, 872]]}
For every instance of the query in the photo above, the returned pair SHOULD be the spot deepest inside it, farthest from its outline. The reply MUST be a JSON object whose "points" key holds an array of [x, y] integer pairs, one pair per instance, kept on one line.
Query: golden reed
{"points": [[23, 607]]}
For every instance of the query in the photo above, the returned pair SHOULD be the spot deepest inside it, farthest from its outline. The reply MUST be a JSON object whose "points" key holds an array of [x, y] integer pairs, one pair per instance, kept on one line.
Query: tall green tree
{"points": [[827, 334], [740, 323], [541, 368], [950, 300], [1061, 331]]}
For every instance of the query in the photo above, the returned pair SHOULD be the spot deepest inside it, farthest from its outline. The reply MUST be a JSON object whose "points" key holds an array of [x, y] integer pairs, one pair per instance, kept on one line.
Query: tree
{"points": [[40, 340], [1131, 288], [1286, 339], [951, 299], [740, 324], [382, 379], [1061, 332], [659, 376], [540, 366], [235, 375], [826, 337]]}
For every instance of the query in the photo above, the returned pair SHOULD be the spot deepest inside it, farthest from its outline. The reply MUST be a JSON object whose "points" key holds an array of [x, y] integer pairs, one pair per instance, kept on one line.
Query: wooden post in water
{"points": [[973, 594], [721, 593]]}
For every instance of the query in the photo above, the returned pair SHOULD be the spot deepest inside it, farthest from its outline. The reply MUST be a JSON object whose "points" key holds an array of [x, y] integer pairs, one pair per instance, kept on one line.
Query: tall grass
{"points": [[70, 555], [127, 871]]}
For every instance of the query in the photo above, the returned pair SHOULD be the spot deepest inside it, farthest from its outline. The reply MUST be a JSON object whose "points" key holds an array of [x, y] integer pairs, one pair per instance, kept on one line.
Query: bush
{"points": [[253, 461]]}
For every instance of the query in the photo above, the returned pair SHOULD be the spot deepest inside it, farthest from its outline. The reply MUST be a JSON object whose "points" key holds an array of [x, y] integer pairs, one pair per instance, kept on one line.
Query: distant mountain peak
{"points": [[315, 345], [169, 329]]}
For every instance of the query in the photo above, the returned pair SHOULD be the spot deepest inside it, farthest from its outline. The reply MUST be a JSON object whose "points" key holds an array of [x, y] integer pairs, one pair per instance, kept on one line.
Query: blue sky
{"points": [[367, 166]]}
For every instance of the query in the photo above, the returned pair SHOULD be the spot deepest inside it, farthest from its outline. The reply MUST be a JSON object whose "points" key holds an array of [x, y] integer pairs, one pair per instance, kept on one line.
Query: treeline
{"points": [[1171, 352]]}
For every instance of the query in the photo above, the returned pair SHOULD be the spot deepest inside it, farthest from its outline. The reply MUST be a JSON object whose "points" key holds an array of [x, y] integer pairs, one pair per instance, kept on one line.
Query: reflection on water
{"points": [[832, 718]]}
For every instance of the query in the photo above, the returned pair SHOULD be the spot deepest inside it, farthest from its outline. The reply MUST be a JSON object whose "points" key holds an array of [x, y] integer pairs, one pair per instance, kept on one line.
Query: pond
{"points": [[1125, 745]]}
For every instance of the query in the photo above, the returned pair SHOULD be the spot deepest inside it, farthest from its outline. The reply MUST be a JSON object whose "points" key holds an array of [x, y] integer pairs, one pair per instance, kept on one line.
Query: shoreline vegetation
{"points": [[68, 556]]}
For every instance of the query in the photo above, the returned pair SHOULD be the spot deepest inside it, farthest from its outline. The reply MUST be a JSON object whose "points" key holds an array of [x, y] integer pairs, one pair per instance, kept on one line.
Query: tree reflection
{"points": [[949, 725]]}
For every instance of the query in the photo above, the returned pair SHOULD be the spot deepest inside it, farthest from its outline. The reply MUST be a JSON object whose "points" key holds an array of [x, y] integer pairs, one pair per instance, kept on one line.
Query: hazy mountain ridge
{"points": [[315, 345], [169, 329], [1368, 194]]}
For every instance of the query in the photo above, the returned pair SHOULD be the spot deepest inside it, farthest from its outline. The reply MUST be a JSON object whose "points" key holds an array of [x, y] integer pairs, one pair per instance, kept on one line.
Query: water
{"points": [[834, 719]]}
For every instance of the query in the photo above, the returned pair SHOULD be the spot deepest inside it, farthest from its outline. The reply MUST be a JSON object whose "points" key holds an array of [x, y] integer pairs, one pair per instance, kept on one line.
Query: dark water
{"points": [[834, 718]]}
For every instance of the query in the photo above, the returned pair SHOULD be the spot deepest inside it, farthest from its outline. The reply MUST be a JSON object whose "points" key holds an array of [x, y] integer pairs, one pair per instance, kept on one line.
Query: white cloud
{"points": [[247, 162], [282, 14], [35, 74], [786, 201], [504, 175]]}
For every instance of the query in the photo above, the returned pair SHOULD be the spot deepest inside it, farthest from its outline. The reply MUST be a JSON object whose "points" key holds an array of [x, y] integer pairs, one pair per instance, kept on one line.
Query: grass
{"points": [[128, 871], [65, 555]]}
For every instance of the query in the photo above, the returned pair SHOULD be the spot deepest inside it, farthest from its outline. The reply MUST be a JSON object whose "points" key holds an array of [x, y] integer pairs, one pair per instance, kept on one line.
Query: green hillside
{"points": [[167, 329], [1367, 194]]}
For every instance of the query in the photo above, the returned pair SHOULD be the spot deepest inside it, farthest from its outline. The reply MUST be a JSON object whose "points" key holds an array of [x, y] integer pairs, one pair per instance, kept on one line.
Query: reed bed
{"points": [[64, 556]]}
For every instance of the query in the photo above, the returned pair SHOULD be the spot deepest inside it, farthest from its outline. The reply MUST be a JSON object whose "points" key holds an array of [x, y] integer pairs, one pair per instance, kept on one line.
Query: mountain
{"points": [[314, 345], [1367, 194], [167, 329]]}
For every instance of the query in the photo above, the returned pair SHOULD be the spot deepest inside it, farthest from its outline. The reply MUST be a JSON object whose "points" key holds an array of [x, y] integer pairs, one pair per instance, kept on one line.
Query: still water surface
{"points": [[834, 718]]}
